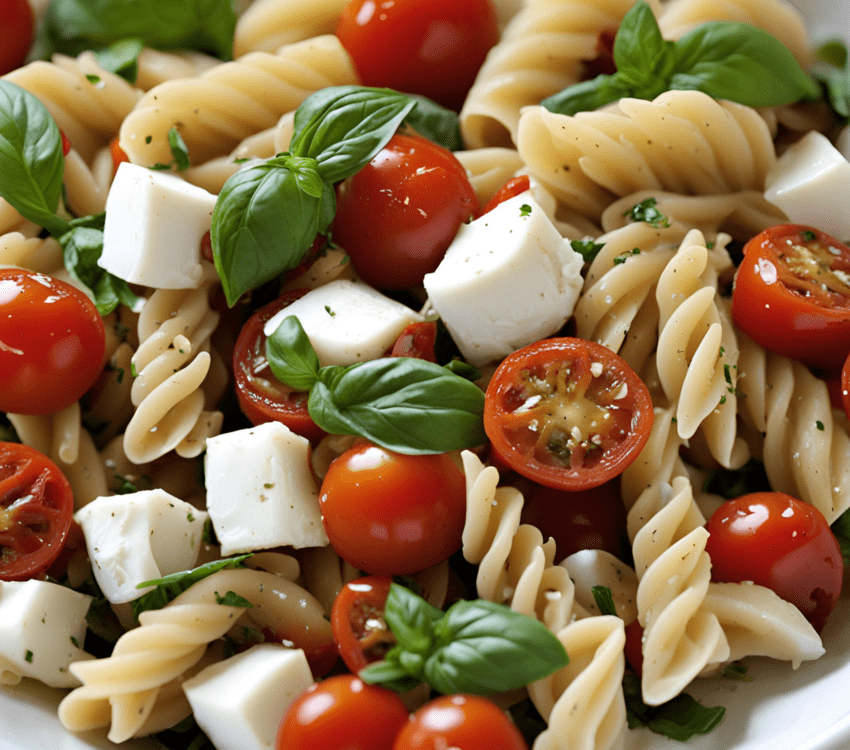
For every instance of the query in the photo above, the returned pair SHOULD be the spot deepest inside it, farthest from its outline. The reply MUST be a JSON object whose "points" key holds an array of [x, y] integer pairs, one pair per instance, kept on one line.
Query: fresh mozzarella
{"points": [[260, 490], [42, 627], [139, 537], [154, 225], [239, 702], [508, 279], [347, 321]]}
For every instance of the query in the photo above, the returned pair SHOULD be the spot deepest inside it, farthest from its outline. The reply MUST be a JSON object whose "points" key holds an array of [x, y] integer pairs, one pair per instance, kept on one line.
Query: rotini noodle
{"points": [[267, 25]]}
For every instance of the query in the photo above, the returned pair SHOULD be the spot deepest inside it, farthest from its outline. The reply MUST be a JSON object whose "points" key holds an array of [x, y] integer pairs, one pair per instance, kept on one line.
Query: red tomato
{"points": [[429, 47], [397, 216], [66, 144], [357, 621], [342, 713], [603, 63], [320, 656], [417, 340], [466, 722], [53, 343], [511, 189], [36, 506], [782, 543], [567, 413], [391, 514], [634, 646], [262, 397], [118, 156], [844, 387], [18, 25], [792, 297]]}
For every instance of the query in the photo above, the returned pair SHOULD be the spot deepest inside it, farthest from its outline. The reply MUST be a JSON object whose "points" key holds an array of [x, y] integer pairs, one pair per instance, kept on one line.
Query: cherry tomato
{"points": [[387, 513], [66, 144], [36, 506], [321, 656], [792, 295], [397, 216], [782, 543], [118, 156], [357, 621], [603, 63], [428, 47], [53, 343], [511, 189], [567, 413], [262, 397], [417, 340], [342, 713], [634, 646], [466, 722], [18, 24], [844, 387]]}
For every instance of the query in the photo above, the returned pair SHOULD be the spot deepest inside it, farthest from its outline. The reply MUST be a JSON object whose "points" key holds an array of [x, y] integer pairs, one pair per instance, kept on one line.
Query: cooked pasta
{"points": [[267, 25]]}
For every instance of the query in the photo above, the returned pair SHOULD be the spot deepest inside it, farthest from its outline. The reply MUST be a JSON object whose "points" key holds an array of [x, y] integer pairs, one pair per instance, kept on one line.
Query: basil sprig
{"points": [[474, 647], [403, 404], [121, 58], [724, 59], [833, 71]]}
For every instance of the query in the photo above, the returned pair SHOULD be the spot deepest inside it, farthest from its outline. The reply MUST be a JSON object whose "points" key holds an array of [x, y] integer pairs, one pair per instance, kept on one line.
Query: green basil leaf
{"points": [[389, 674], [121, 58], [587, 96], [841, 528], [179, 150], [464, 369], [31, 160], [644, 59], [604, 600], [411, 619], [232, 599], [436, 123], [588, 249], [832, 71], [291, 356], [306, 176]]}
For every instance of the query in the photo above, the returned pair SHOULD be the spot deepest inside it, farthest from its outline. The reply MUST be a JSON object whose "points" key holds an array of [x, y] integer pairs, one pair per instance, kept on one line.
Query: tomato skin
{"points": [[397, 216], [782, 543], [357, 621], [511, 189], [342, 713], [18, 24], [567, 413], [466, 722], [54, 343], [844, 387], [429, 47], [119, 156], [634, 646], [387, 513], [417, 340], [778, 303]]}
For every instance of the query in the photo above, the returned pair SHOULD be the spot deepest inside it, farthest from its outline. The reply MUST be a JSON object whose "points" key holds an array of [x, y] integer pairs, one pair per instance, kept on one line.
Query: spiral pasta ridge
{"points": [[267, 25]]}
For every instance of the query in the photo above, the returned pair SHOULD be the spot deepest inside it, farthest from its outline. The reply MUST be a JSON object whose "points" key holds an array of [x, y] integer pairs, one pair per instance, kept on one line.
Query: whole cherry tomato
{"points": [[36, 509], [18, 24], [342, 713], [397, 216], [777, 541], [466, 722], [792, 294], [357, 621], [53, 343], [511, 189], [567, 413], [429, 47], [387, 513]]}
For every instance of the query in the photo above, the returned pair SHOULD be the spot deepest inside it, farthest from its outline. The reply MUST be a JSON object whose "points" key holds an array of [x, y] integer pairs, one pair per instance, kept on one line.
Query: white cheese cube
{"points": [[140, 537], [810, 183], [42, 627], [508, 279], [154, 225], [347, 321], [239, 702], [260, 490]]}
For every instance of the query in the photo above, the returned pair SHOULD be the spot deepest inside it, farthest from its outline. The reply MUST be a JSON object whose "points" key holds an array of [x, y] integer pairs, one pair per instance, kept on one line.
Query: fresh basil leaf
{"points": [[464, 369], [587, 96], [291, 357], [647, 211], [644, 59], [31, 160], [841, 528], [232, 599], [832, 71], [604, 600], [411, 619], [121, 58], [436, 123], [179, 150], [389, 674], [588, 249], [833, 52], [306, 175]]}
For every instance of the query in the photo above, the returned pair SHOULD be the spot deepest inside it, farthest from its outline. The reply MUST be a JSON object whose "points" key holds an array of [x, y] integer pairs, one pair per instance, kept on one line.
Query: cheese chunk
{"points": [[42, 627], [810, 183], [507, 280], [239, 702], [154, 225], [260, 490], [347, 321], [139, 537]]}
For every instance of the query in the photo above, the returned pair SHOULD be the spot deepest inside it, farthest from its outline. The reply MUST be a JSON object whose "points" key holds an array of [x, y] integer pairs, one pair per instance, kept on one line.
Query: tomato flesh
{"points": [[18, 23], [417, 340], [357, 621]]}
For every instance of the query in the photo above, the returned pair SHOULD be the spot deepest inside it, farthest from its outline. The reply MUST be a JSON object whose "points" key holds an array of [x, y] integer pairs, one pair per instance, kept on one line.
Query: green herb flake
{"points": [[735, 671], [588, 249], [28, 656], [819, 425], [647, 211], [232, 599], [329, 311], [93, 79], [622, 257], [604, 600], [525, 210], [808, 235]]}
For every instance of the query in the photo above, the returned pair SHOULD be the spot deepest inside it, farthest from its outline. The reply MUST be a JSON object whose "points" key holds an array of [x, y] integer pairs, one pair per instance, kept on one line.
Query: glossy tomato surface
{"points": [[18, 25], [357, 621], [429, 47], [792, 294], [511, 189], [53, 343], [36, 509], [417, 340], [397, 216], [342, 713], [567, 413], [782, 543], [390, 514]]}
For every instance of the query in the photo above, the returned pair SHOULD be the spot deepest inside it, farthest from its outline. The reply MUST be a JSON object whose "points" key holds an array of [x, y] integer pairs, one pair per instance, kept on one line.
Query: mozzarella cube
{"points": [[810, 183], [42, 628], [260, 490], [239, 702], [140, 537], [154, 225], [508, 279], [347, 321]]}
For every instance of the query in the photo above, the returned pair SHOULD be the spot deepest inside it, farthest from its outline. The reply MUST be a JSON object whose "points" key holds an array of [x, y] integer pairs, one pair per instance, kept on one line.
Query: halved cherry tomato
{"points": [[397, 216], [18, 24], [417, 340], [36, 506], [52, 343], [262, 397], [782, 543], [387, 513], [428, 47], [467, 722], [511, 189], [792, 294], [357, 621], [567, 413], [342, 713], [119, 156]]}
